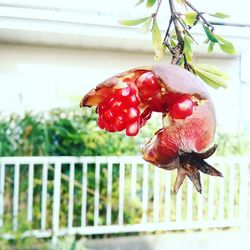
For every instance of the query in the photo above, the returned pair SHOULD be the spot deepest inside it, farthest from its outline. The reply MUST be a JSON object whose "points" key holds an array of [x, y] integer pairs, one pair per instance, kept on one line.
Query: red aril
{"points": [[148, 86], [119, 123], [132, 114], [182, 108], [133, 129], [119, 111]]}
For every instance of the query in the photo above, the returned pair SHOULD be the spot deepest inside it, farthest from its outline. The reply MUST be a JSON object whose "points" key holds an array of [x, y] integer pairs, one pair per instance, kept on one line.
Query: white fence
{"points": [[55, 196]]}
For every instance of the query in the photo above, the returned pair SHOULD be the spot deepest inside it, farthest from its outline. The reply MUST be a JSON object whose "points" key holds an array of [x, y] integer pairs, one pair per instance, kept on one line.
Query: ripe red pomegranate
{"points": [[127, 100]]}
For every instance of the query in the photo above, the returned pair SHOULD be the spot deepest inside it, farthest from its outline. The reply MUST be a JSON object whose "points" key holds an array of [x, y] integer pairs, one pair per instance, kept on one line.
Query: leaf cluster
{"points": [[179, 40]]}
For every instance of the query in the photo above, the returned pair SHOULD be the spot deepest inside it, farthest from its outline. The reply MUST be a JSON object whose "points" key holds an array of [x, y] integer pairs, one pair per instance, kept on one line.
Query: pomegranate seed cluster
{"points": [[120, 110]]}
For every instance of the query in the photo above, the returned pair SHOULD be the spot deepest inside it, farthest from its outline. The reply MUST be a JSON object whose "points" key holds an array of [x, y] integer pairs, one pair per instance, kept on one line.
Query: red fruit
{"points": [[145, 115], [176, 93], [116, 106], [124, 92], [119, 111], [133, 129], [193, 132], [107, 116], [100, 123], [148, 87], [132, 101], [119, 123], [132, 114], [182, 108]]}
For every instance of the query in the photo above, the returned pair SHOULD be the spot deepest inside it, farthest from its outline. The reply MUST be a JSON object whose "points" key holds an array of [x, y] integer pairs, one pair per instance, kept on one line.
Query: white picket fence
{"points": [[111, 189]]}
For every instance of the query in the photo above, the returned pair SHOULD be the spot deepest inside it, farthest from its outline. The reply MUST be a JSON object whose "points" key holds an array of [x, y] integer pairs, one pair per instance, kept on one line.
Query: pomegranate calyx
{"points": [[190, 164]]}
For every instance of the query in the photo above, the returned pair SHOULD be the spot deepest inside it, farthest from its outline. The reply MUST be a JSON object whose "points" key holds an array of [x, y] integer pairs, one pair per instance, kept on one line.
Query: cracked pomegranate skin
{"points": [[192, 134]]}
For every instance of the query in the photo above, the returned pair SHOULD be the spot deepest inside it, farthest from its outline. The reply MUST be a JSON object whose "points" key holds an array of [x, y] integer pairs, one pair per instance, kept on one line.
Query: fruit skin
{"points": [[105, 88], [183, 143], [178, 80], [192, 134]]}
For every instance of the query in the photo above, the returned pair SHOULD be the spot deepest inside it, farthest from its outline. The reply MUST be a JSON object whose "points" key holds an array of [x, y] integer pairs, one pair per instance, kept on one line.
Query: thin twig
{"points": [[185, 29], [200, 14], [168, 29], [178, 50], [174, 19], [154, 15]]}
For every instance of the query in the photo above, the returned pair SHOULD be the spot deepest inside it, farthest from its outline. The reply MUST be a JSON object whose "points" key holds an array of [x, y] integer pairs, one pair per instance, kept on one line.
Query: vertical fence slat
{"points": [[2, 181], [133, 180], [211, 199], [16, 195], [30, 192], [109, 193], [84, 193], [71, 195], [56, 201], [121, 193], [145, 193], [222, 195], [189, 201], [200, 203], [167, 195], [44, 195], [178, 205], [156, 194], [97, 194], [231, 191], [243, 192]]}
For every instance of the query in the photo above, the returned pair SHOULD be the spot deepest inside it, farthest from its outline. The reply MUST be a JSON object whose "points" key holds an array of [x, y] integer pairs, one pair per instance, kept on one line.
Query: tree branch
{"points": [[178, 50], [199, 14], [154, 15]]}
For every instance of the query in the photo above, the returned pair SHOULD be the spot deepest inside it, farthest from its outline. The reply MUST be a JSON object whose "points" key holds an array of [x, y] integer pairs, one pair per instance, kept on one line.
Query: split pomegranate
{"points": [[127, 100]]}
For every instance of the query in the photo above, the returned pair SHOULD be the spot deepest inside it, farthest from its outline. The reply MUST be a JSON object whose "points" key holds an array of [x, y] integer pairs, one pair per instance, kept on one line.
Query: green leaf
{"points": [[211, 75], [188, 48], [213, 69], [225, 45], [146, 26], [220, 15], [133, 22], [210, 47], [157, 41], [209, 34], [173, 42], [226, 49], [139, 2], [190, 18], [150, 3]]}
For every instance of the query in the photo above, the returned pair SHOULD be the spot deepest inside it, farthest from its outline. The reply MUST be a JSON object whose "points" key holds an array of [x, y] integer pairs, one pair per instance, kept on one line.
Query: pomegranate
{"points": [[127, 100]]}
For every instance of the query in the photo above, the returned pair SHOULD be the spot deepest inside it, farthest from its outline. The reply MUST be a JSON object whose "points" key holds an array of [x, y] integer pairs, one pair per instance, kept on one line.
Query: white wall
{"points": [[40, 78]]}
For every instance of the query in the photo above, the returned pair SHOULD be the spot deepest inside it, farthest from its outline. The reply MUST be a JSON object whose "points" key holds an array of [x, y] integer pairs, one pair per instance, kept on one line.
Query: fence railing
{"points": [[55, 196]]}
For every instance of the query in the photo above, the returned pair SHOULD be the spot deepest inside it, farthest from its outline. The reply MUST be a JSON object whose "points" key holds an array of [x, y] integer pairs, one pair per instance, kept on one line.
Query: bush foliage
{"points": [[60, 133]]}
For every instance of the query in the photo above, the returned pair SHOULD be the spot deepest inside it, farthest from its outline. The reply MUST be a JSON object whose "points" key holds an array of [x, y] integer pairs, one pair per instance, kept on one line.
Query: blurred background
{"points": [[52, 53]]}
